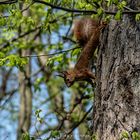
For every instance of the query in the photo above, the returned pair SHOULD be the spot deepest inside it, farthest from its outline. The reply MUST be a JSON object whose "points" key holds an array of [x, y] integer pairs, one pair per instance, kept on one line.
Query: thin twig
{"points": [[64, 51], [30, 31], [20, 36], [76, 125], [9, 2], [27, 7], [21, 11]]}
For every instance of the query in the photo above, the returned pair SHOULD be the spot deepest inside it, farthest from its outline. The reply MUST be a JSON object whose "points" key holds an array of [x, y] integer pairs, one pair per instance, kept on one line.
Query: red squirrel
{"points": [[87, 33]]}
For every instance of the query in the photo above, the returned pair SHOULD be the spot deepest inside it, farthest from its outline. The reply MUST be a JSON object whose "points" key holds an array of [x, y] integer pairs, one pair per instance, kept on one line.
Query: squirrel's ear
{"points": [[62, 74]]}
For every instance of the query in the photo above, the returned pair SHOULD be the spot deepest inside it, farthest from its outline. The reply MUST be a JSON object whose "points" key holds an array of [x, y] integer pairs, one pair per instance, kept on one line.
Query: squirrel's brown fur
{"points": [[83, 29], [81, 70]]}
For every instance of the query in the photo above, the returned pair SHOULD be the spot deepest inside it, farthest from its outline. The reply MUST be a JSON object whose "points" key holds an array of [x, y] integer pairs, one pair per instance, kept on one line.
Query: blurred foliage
{"points": [[37, 38], [126, 135]]}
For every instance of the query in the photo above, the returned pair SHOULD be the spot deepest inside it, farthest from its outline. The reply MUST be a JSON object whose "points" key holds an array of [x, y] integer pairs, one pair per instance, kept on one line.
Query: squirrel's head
{"points": [[69, 77]]}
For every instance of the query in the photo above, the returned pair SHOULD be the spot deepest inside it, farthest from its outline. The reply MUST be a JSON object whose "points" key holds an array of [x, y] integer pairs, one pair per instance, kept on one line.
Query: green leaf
{"points": [[54, 61], [25, 136], [75, 117], [115, 1], [2, 21], [121, 5], [2, 54], [109, 2], [37, 113], [37, 83], [55, 133], [125, 135], [100, 11], [108, 18], [8, 33], [135, 136], [137, 17], [75, 52], [13, 60], [118, 15]]}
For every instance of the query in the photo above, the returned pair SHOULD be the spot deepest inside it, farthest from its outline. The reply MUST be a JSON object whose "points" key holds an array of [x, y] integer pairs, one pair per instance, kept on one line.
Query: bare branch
{"points": [[9, 95], [27, 7], [64, 51], [77, 124], [9, 2]]}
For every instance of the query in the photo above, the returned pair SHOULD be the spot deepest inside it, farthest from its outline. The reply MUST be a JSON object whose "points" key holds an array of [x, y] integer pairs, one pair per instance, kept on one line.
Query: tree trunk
{"points": [[25, 102], [117, 99], [25, 109]]}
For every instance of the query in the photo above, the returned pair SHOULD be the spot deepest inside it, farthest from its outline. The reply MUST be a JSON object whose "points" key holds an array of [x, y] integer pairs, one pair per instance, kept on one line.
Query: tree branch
{"points": [[77, 124], [9, 2], [85, 11], [20, 36], [27, 7], [63, 8], [64, 51]]}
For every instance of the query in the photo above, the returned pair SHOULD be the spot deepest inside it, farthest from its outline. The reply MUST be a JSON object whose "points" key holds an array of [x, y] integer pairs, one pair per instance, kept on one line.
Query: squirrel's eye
{"points": [[68, 79]]}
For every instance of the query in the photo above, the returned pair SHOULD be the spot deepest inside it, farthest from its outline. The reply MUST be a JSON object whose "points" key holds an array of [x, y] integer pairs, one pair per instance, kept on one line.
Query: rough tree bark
{"points": [[117, 99]]}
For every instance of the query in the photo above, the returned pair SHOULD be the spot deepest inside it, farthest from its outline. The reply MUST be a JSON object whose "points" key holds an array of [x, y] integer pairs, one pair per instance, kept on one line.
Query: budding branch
{"points": [[85, 11], [128, 11]]}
